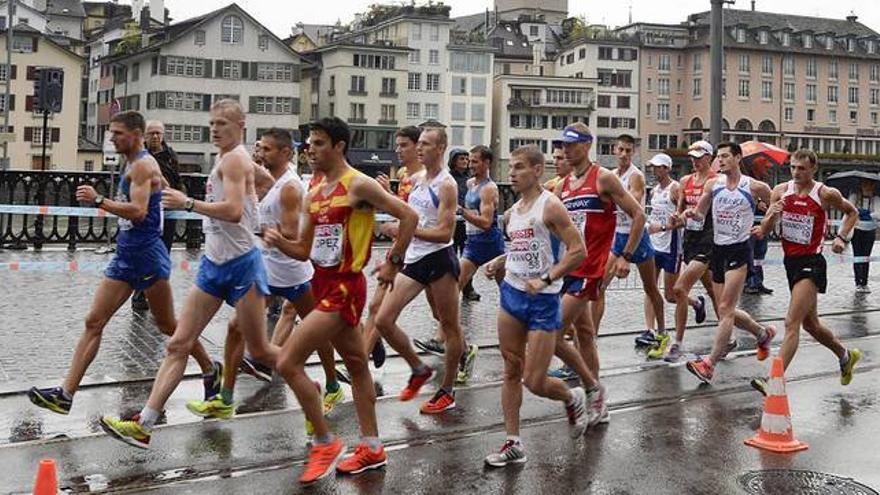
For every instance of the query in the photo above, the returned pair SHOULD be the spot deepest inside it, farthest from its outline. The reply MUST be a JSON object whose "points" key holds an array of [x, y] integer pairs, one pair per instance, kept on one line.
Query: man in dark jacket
{"points": [[459, 167], [167, 158]]}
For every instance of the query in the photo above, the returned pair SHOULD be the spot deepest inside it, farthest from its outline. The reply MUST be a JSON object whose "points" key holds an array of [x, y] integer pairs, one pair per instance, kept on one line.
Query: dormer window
{"points": [[850, 45], [808, 40], [740, 35], [786, 39], [870, 46], [231, 29], [763, 38], [829, 42]]}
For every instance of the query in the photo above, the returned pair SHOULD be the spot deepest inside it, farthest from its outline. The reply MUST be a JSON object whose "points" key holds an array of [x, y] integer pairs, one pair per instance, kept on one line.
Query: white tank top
{"points": [[282, 270], [425, 200], [624, 221], [227, 240], [533, 248], [662, 208], [733, 211]]}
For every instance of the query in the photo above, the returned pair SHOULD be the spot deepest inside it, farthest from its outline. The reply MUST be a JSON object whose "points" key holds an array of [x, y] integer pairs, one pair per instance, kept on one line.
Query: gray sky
{"points": [[280, 15]]}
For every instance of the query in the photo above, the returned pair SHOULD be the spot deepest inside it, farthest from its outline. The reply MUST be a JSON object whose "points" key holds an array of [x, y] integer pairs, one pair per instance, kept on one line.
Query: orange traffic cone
{"points": [[47, 479], [776, 433]]}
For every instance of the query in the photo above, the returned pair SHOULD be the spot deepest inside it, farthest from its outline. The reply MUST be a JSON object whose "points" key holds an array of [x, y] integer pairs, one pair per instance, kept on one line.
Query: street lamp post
{"points": [[716, 53]]}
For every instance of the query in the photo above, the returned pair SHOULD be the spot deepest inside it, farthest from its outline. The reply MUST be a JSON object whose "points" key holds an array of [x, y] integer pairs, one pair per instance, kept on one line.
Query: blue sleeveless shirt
{"points": [[136, 234]]}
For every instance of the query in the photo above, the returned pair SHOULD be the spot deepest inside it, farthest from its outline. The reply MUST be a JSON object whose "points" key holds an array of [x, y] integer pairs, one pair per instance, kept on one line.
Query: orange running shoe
{"points": [[439, 403], [764, 344], [362, 460], [322, 460], [415, 383], [702, 368]]}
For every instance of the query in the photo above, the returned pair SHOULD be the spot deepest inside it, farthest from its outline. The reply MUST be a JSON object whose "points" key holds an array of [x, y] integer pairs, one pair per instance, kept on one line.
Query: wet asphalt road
{"points": [[667, 433]]}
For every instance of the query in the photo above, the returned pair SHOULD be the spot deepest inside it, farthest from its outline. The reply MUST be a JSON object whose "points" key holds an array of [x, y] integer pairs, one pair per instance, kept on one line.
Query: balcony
{"points": [[525, 103], [354, 120], [387, 122], [388, 95], [355, 92]]}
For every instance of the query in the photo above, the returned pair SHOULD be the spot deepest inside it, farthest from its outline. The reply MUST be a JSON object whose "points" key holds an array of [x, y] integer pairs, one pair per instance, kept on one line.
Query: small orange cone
{"points": [[776, 433], [47, 479]]}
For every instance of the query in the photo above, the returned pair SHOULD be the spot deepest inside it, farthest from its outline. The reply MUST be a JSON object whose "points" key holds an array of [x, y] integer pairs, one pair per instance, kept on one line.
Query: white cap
{"points": [[661, 160], [700, 149]]}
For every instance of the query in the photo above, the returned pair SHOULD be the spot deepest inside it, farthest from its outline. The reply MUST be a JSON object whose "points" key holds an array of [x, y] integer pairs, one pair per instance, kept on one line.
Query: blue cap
{"points": [[572, 135]]}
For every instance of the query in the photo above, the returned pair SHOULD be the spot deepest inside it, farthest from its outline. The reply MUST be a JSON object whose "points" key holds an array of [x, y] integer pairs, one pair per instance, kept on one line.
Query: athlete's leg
{"points": [[803, 299], [109, 296], [349, 343], [817, 328], [706, 279], [597, 307], [285, 323], [160, 299], [539, 352], [650, 319], [468, 268], [371, 334], [233, 352], [648, 274], [572, 309], [303, 305], [729, 292], [445, 296], [404, 291], [686, 280], [512, 335], [587, 332]]}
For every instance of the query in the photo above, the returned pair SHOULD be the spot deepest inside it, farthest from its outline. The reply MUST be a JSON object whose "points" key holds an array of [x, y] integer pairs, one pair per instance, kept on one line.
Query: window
{"points": [[786, 39], [269, 71], [415, 57], [663, 112], [3, 102], [763, 38], [415, 31], [811, 93], [231, 29], [875, 73], [4, 72], [648, 85], [135, 71], [263, 42], [371, 61], [811, 67], [744, 64], [832, 116], [356, 112], [478, 86], [811, 115], [766, 90], [678, 86], [186, 133], [788, 66], [832, 94], [853, 72], [808, 40], [870, 46], [199, 37], [767, 65], [606, 53], [789, 114], [358, 85], [533, 30], [474, 63], [698, 88], [565, 96], [582, 53], [414, 81], [623, 102], [850, 45], [389, 113], [832, 69], [679, 61], [433, 82], [186, 66], [412, 110], [178, 100], [559, 122], [874, 119], [389, 86], [853, 116], [476, 135], [615, 78], [478, 112], [698, 62], [853, 96], [678, 111], [875, 96], [275, 105], [459, 85], [432, 110], [664, 62], [663, 87], [457, 136], [603, 101], [743, 88], [332, 111], [434, 57], [435, 32], [648, 110], [23, 44], [829, 42], [740, 35], [458, 111]]}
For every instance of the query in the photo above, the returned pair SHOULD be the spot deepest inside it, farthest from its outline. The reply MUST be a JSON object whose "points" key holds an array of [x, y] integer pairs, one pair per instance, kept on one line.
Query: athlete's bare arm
{"points": [[488, 199], [760, 190], [263, 180], [236, 172], [445, 228], [676, 220], [499, 261], [772, 214], [296, 243], [831, 198], [140, 177], [559, 222], [611, 186], [637, 187]]}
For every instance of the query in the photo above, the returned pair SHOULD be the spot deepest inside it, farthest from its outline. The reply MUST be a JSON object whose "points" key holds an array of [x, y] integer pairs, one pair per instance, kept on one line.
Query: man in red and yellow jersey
{"points": [[337, 237]]}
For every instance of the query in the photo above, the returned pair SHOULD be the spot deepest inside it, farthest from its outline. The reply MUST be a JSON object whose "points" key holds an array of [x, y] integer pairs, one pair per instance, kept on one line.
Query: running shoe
{"points": [[563, 373], [659, 349], [674, 353], [126, 430], [578, 416], [212, 408], [511, 453], [439, 403], [597, 409], [431, 346], [731, 346], [415, 383], [363, 459], [760, 384], [332, 398], [764, 343], [342, 375], [700, 310], [214, 381], [378, 354], [701, 368], [846, 370], [466, 366], [51, 399], [256, 369], [646, 339], [322, 460]]}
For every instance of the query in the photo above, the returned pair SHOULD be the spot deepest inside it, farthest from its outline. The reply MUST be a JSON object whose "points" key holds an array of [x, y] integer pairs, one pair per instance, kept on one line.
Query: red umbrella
{"points": [[755, 151]]}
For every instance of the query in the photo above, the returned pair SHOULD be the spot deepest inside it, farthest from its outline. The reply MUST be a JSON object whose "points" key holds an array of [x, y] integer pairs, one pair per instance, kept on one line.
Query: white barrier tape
{"points": [[831, 259], [775, 423]]}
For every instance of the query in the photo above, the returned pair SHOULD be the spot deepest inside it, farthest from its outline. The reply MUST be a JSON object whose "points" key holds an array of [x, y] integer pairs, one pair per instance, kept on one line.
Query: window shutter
{"points": [[154, 66], [160, 99], [294, 107], [244, 70], [29, 134], [150, 101], [206, 102], [56, 134], [35, 39], [31, 73], [206, 134], [297, 73], [12, 103], [253, 71], [218, 69], [14, 72], [163, 65], [252, 104], [29, 103], [208, 67]]}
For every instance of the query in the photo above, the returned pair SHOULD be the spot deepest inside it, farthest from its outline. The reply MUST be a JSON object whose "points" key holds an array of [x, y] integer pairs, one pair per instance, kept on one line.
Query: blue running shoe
{"points": [[214, 381], [563, 373], [700, 311], [378, 354], [50, 398], [646, 339]]}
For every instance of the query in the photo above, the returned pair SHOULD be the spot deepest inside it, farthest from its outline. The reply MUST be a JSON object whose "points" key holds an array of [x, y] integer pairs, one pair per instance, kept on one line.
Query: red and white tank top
{"points": [[692, 194], [803, 221], [593, 218]]}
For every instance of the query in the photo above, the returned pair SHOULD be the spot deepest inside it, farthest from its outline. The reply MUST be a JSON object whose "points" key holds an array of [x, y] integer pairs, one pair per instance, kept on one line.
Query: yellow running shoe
{"points": [[846, 371], [211, 408], [332, 398], [659, 349], [129, 431]]}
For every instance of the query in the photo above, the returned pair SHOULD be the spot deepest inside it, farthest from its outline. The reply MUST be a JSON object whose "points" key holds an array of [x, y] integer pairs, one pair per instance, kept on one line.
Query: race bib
{"points": [[797, 228], [694, 224], [524, 259], [327, 245]]}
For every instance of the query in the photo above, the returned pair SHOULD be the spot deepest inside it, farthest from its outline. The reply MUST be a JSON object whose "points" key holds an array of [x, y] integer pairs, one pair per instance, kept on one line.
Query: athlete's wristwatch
{"points": [[663, 228], [189, 204], [842, 238], [627, 256], [395, 259], [547, 280], [99, 199]]}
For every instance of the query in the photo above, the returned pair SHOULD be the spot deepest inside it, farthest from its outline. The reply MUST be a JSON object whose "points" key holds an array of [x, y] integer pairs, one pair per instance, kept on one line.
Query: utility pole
{"points": [[4, 163], [716, 53]]}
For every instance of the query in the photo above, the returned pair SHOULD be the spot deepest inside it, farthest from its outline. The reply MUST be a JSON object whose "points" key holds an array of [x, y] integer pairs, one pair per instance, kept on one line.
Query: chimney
{"points": [[852, 17], [157, 10], [753, 5]]}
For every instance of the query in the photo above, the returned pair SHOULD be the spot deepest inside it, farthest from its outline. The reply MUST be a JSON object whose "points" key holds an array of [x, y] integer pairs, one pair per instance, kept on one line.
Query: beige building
{"points": [[791, 80], [32, 49]]}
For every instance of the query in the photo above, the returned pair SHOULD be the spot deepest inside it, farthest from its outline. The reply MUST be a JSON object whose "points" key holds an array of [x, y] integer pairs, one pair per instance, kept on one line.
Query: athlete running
{"points": [[563, 169], [530, 317], [231, 270], [732, 197], [141, 262], [801, 205]]}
